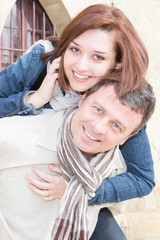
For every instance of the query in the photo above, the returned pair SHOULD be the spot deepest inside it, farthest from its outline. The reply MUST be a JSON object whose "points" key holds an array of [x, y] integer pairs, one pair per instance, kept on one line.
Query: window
{"points": [[26, 23]]}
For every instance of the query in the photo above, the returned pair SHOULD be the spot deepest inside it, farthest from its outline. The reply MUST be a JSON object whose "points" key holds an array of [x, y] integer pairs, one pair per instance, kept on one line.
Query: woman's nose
{"points": [[82, 64]]}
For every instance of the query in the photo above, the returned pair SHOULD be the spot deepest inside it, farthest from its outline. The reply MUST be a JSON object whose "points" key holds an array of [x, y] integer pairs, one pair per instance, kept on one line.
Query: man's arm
{"points": [[138, 181]]}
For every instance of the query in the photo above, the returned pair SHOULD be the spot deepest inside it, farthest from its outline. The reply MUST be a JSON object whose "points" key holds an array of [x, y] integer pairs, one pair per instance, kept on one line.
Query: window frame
{"points": [[22, 30]]}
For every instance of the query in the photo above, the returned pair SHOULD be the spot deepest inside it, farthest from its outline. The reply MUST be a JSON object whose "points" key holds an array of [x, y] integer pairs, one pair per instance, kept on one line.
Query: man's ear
{"points": [[82, 99], [127, 138]]}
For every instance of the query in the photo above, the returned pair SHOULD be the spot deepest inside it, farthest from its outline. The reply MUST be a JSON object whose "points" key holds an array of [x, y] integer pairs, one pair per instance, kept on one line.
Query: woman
{"points": [[128, 64], [120, 53]]}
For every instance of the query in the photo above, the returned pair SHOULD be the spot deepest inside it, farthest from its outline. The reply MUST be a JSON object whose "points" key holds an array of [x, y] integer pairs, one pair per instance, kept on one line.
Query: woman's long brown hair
{"points": [[131, 53]]}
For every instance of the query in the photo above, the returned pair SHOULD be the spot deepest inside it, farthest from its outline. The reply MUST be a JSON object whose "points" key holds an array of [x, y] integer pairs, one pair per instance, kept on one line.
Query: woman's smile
{"points": [[79, 77]]}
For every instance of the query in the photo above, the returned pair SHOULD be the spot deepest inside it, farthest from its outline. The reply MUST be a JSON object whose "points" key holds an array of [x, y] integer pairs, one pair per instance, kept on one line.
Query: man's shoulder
{"points": [[49, 133]]}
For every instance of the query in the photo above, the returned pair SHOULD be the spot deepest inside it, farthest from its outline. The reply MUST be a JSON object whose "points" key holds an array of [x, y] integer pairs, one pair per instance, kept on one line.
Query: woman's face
{"points": [[88, 57]]}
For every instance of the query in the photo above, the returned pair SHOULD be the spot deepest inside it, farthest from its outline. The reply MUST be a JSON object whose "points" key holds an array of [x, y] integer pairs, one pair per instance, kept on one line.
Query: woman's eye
{"points": [[73, 49], [99, 57]]}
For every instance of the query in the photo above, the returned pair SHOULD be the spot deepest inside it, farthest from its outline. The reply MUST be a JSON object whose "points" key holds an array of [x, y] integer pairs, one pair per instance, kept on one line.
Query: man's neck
{"points": [[88, 156]]}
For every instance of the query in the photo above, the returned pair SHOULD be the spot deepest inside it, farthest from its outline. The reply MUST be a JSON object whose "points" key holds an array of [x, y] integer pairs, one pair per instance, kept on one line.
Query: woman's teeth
{"points": [[80, 76]]}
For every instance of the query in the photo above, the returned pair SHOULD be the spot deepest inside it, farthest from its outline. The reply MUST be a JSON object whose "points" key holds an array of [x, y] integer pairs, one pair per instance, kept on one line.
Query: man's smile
{"points": [[89, 136]]}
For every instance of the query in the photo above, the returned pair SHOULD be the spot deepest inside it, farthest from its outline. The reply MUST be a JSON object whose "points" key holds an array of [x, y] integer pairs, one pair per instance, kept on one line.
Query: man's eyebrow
{"points": [[100, 52]]}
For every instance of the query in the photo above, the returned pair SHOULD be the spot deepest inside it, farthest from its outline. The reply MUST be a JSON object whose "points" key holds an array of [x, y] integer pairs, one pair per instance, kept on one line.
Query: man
{"points": [[100, 124]]}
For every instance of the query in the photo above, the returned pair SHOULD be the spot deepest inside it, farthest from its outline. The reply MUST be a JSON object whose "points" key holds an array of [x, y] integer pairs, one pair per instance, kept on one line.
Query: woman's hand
{"points": [[52, 187], [48, 87]]}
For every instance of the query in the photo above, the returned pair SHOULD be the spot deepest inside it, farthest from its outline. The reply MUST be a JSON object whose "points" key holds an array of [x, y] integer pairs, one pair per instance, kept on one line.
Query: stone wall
{"points": [[141, 220], [6, 6], [57, 13]]}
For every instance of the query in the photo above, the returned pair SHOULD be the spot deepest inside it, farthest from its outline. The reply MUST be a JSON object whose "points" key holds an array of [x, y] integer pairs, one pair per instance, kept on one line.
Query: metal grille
{"points": [[26, 23]]}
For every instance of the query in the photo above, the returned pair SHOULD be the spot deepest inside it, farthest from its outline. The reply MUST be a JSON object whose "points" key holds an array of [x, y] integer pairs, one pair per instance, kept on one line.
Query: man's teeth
{"points": [[88, 135], [80, 76]]}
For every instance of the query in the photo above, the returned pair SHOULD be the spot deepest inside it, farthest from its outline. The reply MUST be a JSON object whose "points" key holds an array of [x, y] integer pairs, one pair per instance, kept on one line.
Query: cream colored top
{"points": [[27, 142]]}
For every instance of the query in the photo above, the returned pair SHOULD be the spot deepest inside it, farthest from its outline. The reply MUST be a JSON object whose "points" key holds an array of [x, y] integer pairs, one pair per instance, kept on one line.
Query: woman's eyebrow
{"points": [[100, 52], [96, 51], [75, 43]]}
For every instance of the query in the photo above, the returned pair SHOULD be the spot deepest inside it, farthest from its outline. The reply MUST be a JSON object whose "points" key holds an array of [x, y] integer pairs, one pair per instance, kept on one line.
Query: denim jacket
{"points": [[17, 79], [15, 83]]}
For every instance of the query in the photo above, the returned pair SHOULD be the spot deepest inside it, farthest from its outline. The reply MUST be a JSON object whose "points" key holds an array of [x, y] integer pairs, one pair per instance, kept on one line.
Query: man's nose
{"points": [[99, 126]]}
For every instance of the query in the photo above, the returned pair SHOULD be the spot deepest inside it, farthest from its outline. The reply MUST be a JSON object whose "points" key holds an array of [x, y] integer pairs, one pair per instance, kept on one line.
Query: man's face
{"points": [[102, 122]]}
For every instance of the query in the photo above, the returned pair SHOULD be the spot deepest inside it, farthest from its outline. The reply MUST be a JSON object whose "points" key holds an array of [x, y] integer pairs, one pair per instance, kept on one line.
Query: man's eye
{"points": [[116, 126], [98, 57], [98, 110]]}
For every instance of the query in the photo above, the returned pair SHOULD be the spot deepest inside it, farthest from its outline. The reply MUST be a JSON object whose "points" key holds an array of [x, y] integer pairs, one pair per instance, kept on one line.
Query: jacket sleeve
{"points": [[17, 79], [138, 181]]}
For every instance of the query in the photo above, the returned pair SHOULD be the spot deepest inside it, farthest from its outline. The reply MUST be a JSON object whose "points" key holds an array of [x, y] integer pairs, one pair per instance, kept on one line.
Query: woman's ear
{"points": [[118, 66]]}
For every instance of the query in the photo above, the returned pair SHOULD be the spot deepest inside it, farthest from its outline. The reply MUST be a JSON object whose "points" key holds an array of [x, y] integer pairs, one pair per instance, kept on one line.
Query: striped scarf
{"points": [[83, 178]]}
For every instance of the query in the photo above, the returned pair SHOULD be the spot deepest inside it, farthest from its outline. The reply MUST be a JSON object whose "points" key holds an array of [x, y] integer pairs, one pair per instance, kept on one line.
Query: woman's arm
{"points": [[17, 79], [48, 87], [138, 181]]}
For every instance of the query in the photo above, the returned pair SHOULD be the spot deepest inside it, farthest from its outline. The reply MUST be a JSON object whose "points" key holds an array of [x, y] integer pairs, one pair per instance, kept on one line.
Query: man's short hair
{"points": [[142, 100]]}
